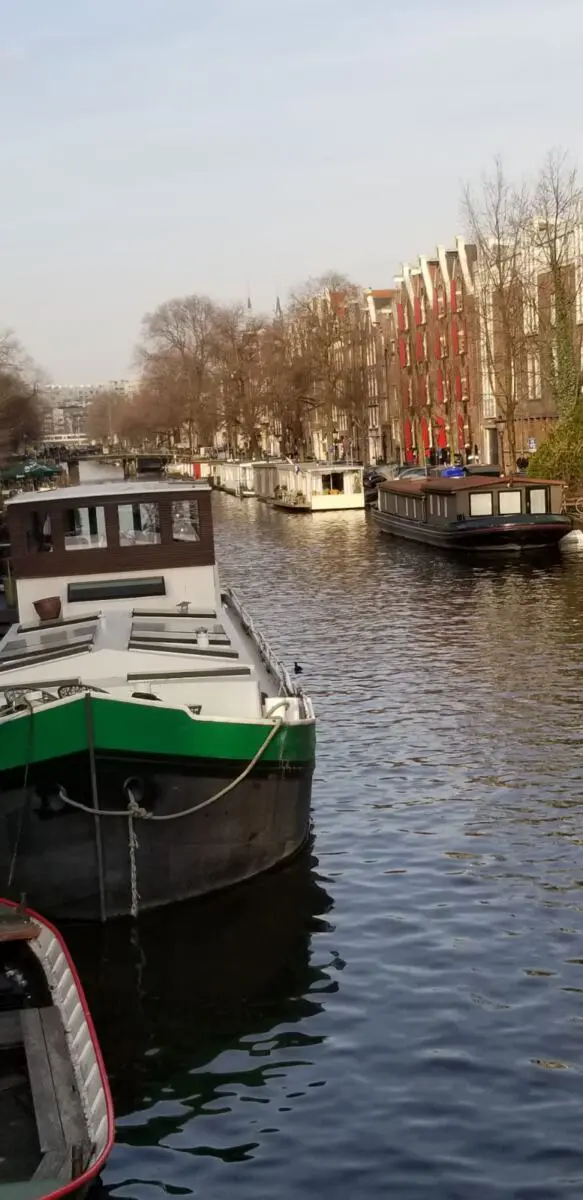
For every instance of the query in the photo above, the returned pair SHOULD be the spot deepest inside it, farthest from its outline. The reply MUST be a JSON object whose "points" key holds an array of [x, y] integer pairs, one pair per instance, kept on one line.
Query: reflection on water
{"points": [[415, 1029]]}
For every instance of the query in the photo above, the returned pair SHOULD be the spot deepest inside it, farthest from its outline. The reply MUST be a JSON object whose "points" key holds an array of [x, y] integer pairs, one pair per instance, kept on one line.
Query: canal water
{"points": [[400, 1012]]}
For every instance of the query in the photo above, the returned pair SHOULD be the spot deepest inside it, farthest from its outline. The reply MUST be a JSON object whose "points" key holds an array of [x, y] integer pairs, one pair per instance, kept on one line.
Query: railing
{"points": [[287, 686]]}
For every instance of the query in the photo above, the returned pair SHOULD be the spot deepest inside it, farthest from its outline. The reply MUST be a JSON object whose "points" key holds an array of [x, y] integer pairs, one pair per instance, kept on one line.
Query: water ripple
{"points": [[400, 1015]]}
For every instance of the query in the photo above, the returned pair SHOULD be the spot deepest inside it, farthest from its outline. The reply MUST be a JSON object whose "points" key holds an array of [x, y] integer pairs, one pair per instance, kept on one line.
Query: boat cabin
{"points": [[118, 541], [440, 501], [310, 487]]}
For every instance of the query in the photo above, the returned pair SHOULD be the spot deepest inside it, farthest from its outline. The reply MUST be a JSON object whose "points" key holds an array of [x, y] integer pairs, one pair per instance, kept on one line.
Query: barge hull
{"points": [[51, 849], [511, 538]]}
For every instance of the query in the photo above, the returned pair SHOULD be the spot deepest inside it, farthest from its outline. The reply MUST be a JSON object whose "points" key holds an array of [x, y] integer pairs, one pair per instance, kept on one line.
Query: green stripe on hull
{"points": [[147, 729]]}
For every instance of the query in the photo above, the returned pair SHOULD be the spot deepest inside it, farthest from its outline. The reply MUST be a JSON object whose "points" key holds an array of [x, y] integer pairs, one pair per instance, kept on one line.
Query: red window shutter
{"points": [[402, 352], [439, 386], [434, 301], [400, 316], [458, 386], [455, 341], [417, 307]]}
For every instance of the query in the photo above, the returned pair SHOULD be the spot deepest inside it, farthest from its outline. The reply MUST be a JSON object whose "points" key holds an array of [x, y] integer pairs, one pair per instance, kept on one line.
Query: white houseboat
{"points": [[235, 477], [309, 487]]}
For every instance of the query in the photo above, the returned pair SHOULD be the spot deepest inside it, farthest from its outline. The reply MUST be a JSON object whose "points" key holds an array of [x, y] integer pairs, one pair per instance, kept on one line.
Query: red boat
{"points": [[56, 1112]]}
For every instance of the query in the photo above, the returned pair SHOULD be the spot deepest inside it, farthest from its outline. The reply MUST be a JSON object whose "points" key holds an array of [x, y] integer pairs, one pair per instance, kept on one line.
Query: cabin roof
{"points": [[111, 489], [469, 483]]}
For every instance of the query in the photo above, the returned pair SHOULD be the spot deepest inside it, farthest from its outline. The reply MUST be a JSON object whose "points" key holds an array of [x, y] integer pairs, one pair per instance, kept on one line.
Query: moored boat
{"points": [[56, 1113], [474, 513], [309, 487], [152, 747]]}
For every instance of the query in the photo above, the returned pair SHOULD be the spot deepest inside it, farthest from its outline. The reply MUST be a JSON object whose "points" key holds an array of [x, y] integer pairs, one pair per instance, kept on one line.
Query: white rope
{"points": [[135, 810]]}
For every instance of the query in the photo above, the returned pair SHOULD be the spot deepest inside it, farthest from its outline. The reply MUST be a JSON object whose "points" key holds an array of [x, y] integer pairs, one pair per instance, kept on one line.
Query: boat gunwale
{"points": [[92, 1171]]}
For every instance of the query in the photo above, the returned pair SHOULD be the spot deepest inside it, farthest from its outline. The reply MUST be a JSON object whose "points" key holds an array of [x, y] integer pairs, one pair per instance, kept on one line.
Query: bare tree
{"points": [[20, 417], [497, 220], [179, 349], [555, 283]]}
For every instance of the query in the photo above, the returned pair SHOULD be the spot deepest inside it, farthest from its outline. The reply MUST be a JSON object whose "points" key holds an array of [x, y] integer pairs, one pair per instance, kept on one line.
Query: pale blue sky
{"points": [[152, 148]]}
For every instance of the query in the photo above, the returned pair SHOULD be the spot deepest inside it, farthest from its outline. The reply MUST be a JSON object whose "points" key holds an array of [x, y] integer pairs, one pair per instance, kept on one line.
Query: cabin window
{"points": [[85, 528], [406, 507], [139, 524], [537, 500], [185, 522], [39, 536], [509, 502], [481, 504], [116, 589], [431, 505], [334, 482]]}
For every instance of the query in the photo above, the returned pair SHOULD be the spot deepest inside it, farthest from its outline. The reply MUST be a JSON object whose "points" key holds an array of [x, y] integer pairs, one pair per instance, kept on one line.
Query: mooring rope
{"points": [[135, 811]]}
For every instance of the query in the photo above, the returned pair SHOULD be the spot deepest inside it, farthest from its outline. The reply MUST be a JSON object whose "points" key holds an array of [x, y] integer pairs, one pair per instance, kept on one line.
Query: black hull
{"points": [[50, 851], [465, 537]]}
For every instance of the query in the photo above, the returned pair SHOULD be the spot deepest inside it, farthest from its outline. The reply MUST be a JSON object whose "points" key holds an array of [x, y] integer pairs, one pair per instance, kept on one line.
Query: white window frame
{"points": [[504, 507], [484, 509]]}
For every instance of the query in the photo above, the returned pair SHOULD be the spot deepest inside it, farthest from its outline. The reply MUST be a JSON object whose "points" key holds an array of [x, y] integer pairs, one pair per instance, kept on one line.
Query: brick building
{"points": [[434, 318]]}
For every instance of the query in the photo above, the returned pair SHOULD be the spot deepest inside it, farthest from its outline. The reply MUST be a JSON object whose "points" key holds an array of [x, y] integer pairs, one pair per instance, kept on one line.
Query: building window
{"points": [[39, 537], [480, 504], [509, 502], [440, 302], [185, 522], [85, 528], [537, 500], [533, 372], [139, 524]]}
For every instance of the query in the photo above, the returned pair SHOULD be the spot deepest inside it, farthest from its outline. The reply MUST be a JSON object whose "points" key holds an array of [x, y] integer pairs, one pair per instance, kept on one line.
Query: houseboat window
{"points": [[509, 502], [85, 529], [333, 482], [185, 523], [431, 505], [39, 536], [406, 507], [481, 504], [139, 524], [537, 500], [116, 589]]}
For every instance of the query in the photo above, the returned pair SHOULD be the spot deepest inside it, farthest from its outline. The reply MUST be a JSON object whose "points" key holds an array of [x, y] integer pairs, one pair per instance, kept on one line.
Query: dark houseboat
{"points": [[474, 513]]}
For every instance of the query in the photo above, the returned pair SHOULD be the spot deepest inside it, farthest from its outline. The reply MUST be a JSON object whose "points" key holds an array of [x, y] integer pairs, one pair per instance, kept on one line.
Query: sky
{"points": [[155, 148]]}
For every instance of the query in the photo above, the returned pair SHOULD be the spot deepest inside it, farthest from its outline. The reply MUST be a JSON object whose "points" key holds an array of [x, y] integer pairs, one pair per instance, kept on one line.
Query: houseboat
{"points": [[235, 477], [152, 747], [309, 487], [474, 513]]}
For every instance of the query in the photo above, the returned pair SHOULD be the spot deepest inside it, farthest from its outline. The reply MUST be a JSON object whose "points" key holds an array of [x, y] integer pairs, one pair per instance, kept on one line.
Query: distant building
{"points": [[65, 406]]}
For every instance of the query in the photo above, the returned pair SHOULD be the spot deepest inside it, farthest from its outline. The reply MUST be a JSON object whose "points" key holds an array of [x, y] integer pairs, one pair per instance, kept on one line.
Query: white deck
{"points": [[228, 681]]}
